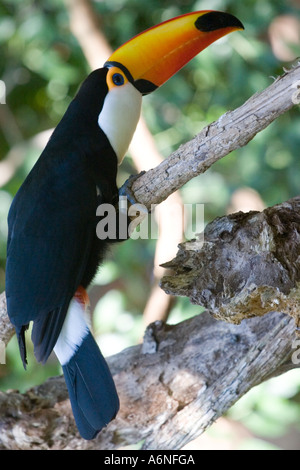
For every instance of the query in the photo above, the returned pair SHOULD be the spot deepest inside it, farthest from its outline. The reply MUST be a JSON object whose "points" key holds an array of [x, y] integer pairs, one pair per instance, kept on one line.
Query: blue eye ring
{"points": [[118, 79]]}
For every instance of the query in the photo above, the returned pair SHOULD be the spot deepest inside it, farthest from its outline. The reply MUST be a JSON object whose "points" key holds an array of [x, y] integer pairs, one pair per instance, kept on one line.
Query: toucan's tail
{"points": [[90, 385], [91, 389]]}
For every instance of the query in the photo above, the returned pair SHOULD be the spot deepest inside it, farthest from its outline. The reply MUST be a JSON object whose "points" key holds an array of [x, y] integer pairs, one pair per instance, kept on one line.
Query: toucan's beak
{"points": [[152, 57]]}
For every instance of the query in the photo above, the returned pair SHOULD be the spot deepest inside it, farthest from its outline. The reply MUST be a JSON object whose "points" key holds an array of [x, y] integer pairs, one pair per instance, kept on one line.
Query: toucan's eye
{"points": [[118, 79], [115, 78]]}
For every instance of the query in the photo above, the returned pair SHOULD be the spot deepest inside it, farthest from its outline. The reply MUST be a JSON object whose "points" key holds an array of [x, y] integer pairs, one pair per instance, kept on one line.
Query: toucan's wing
{"points": [[51, 230]]}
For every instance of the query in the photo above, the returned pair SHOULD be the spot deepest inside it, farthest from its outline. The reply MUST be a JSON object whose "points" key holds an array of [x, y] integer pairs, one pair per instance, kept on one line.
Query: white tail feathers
{"points": [[75, 328]]}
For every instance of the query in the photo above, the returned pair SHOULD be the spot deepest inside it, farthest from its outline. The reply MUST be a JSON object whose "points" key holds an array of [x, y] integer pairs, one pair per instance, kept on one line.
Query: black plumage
{"points": [[53, 247], [52, 220]]}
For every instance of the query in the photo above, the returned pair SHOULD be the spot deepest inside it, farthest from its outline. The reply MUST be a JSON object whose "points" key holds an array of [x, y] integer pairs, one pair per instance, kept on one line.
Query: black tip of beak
{"points": [[217, 20]]}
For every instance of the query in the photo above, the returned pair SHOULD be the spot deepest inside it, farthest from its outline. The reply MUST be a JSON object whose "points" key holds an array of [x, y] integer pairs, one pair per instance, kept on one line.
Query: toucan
{"points": [[53, 251]]}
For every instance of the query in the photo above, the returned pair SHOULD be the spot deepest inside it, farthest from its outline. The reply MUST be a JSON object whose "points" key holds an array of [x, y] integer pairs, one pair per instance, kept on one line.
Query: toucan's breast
{"points": [[119, 117]]}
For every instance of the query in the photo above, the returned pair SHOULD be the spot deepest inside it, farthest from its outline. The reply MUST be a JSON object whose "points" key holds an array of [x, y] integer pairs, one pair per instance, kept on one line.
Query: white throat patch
{"points": [[119, 117]]}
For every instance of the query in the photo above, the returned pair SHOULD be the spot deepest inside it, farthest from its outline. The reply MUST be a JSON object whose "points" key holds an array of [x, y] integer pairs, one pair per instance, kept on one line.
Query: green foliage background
{"points": [[42, 65]]}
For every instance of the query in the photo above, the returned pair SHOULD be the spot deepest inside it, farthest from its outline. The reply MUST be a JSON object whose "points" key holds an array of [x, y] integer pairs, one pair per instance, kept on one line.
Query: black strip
{"points": [[122, 67], [143, 86], [217, 20]]}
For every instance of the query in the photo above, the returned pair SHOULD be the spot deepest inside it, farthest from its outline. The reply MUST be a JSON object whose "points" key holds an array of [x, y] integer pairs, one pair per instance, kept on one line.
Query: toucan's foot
{"points": [[126, 189]]}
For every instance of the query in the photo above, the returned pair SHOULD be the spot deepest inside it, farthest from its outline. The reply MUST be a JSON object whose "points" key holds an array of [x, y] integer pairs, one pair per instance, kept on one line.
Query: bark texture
{"points": [[171, 388], [244, 265], [230, 132]]}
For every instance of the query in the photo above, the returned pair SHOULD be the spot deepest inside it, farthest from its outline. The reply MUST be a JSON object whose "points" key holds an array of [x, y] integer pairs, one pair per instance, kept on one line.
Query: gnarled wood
{"points": [[244, 265], [171, 388]]}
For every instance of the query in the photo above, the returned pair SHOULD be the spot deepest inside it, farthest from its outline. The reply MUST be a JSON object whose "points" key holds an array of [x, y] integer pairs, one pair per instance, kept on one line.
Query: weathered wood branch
{"points": [[174, 385], [243, 265], [230, 132], [171, 388]]}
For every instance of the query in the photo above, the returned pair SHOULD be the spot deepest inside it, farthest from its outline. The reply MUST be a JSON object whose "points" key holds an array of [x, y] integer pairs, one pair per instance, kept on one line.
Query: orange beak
{"points": [[152, 57]]}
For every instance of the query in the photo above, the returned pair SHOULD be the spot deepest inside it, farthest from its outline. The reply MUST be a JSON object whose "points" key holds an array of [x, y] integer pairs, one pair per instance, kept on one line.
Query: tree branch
{"points": [[171, 388], [243, 265], [230, 132]]}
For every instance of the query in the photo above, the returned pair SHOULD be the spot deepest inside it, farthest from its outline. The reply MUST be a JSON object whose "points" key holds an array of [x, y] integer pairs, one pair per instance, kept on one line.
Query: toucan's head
{"points": [[147, 61]]}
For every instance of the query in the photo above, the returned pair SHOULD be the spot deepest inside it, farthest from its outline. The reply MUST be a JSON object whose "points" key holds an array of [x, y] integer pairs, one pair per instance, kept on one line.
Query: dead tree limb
{"points": [[230, 132], [243, 265], [171, 388]]}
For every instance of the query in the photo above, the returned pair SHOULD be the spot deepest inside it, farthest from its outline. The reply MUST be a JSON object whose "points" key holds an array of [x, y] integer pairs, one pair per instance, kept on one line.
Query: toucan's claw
{"points": [[126, 188]]}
